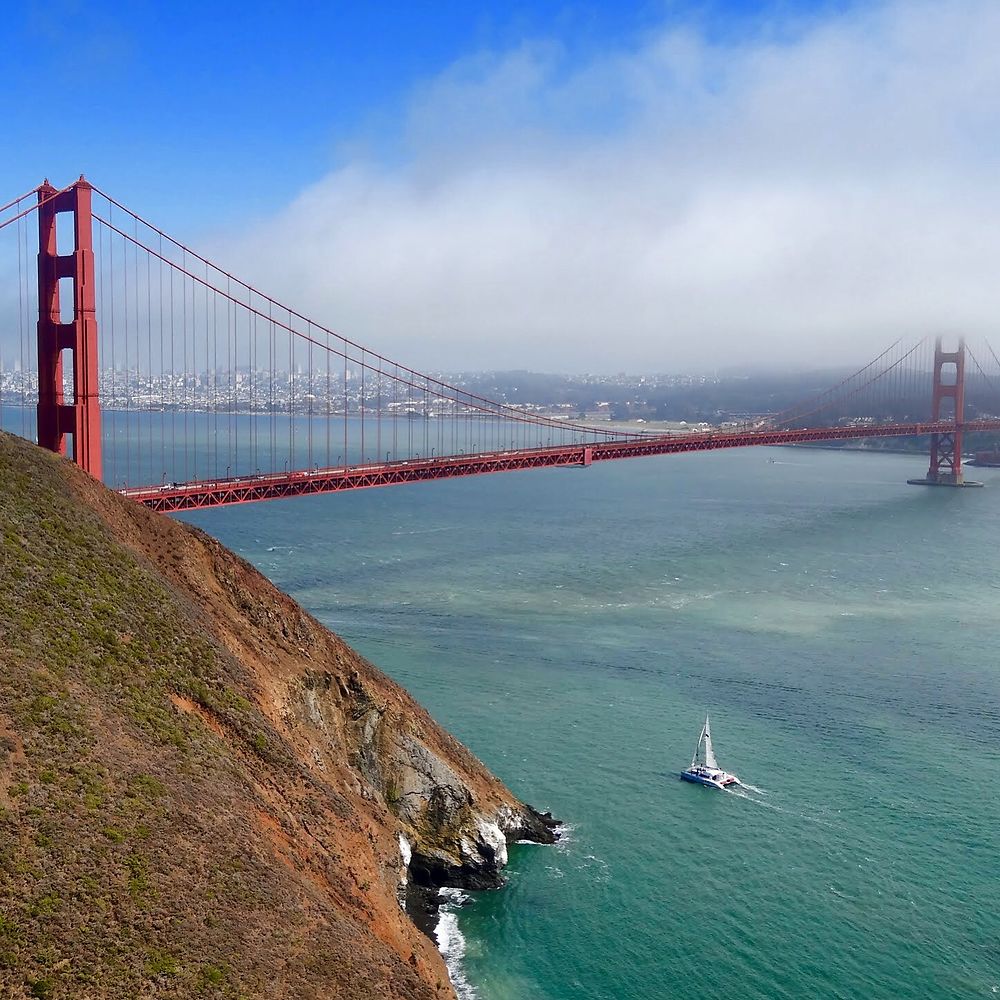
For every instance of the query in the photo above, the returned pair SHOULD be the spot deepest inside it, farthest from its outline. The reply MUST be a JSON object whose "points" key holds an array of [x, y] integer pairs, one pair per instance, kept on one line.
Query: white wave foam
{"points": [[565, 832], [599, 868], [451, 944]]}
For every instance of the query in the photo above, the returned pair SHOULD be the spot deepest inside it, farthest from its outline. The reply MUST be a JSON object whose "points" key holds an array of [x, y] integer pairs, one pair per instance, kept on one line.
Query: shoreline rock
{"points": [[429, 873]]}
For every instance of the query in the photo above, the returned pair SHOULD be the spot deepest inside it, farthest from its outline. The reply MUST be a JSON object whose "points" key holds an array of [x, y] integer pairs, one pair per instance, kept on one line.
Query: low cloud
{"points": [[803, 198]]}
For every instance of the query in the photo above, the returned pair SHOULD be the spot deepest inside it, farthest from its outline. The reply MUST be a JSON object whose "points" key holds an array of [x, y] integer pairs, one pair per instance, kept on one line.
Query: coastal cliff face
{"points": [[203, 792]]}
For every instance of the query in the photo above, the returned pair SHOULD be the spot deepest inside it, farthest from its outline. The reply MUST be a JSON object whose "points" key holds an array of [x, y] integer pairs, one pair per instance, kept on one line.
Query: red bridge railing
{"points": [[249, 489]]}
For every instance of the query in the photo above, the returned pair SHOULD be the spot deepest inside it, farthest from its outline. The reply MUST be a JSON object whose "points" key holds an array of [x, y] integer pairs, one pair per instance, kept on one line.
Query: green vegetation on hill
{"points": [[133, 862], [83, 864]]}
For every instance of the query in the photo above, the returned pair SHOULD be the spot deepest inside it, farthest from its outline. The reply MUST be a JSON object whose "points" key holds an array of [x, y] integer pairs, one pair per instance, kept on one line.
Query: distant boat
{"points": [[704, 769]]}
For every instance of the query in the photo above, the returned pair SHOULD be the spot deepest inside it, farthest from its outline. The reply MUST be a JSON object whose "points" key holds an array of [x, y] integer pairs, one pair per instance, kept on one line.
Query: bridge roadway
{"points": [[274, 486]]}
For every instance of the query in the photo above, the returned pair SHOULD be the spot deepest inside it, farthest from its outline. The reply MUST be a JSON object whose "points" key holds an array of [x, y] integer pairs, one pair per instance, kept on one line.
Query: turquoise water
{"points": [[573, 626]]}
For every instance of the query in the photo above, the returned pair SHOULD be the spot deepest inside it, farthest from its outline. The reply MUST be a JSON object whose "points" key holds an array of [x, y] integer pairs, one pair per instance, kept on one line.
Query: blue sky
{"points": [[662, 185], [186, 108]]}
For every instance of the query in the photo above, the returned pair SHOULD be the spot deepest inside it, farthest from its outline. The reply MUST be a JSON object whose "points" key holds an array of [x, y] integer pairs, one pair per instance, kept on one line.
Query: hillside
{"points": [[203, 792]]}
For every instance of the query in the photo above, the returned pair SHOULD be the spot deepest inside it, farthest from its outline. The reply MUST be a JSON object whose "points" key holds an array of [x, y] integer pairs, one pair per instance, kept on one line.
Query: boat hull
{"points": [[722, 782]]}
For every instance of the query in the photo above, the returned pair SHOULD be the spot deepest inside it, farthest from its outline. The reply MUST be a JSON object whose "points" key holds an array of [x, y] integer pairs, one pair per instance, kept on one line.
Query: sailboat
{"points": [[704, 769]]}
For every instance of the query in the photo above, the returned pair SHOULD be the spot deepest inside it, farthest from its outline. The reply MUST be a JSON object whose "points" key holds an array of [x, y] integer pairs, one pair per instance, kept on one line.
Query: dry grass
{"points": [[162, 833]]}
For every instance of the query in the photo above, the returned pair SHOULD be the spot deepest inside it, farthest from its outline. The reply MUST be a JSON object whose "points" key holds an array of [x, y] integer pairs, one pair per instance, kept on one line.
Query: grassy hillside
{"points": [[197, 781]]}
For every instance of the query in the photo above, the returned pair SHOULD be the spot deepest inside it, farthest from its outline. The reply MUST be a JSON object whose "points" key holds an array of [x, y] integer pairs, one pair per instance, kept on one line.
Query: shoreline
{"points": [[432, 911], [432, 907], [422, 895]]}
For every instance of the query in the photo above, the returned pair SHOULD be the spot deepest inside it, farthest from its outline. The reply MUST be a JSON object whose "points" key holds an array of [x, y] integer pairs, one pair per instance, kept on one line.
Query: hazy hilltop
{"points": [[203, 792]]}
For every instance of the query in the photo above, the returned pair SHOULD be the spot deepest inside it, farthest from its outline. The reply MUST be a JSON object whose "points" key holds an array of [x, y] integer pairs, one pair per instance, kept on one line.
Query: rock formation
{"points": [[203, 792]]}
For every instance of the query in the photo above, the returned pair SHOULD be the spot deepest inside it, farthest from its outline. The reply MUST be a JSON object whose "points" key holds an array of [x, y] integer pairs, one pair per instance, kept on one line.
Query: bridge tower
{"points": [[80, 417], [947, 404]]}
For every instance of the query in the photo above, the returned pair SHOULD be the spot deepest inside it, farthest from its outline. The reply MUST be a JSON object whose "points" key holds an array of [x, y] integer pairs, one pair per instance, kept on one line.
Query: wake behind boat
{"points": [[704, 769]]}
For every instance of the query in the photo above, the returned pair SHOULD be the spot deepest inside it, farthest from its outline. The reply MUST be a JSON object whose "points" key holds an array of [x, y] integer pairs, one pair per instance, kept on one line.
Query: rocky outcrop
{"points": [[455, 820], [257, 798], [455, 840]]}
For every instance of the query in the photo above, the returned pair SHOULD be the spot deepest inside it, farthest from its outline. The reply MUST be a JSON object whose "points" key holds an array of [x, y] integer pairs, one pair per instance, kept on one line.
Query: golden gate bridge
{"points": [[184, 387]]}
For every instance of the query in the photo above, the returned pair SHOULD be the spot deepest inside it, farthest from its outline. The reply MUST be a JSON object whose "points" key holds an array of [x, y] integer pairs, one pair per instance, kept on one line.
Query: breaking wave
{"points": [[451, 941]]}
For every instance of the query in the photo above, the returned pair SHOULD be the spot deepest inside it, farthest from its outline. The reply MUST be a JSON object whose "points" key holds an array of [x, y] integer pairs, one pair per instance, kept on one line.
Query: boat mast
{"points": [[697, 746]]}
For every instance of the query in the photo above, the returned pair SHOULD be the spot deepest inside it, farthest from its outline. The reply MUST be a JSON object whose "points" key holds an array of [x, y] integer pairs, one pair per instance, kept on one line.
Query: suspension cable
{"points": [[251, 290]]}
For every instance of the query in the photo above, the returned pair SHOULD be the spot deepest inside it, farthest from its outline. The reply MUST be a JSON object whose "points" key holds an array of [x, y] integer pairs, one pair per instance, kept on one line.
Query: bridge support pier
{"points": [[82, 416], [949, 394]]}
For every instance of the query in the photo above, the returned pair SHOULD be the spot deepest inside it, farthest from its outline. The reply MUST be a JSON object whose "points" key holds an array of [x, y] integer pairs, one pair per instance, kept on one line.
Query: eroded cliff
{"points": [[202, 790]]}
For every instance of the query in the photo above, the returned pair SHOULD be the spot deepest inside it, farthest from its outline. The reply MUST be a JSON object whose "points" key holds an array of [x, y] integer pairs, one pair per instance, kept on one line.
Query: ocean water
{"points": [[573, 626]]}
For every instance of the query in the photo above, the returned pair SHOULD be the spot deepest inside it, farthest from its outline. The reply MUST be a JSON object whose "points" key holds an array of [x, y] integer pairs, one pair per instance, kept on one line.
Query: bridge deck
{"points": [[249, 489]]}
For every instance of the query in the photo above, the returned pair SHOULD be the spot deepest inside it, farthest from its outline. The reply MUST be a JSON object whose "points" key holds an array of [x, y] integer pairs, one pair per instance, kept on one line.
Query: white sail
{"points": [[710, 760], [704, 767]]}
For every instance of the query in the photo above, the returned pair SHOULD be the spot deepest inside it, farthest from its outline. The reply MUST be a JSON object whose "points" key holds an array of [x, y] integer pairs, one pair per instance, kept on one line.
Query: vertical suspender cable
{"points": [[215, 382], [126, 387], [173, 383], [22, 314], [149, 365], [252, 331], [271, 361], [184, 369], [208, 393], [162, 380], [114, 351], [328, 413], [310, 407], [233, 449]]}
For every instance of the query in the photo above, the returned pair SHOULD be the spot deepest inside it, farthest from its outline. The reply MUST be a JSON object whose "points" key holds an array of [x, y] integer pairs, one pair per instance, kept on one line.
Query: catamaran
{"points": [[704, 769]]}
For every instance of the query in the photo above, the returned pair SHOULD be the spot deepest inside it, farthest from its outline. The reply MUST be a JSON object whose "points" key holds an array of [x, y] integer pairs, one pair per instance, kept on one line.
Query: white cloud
{"points": [[682, 204]]}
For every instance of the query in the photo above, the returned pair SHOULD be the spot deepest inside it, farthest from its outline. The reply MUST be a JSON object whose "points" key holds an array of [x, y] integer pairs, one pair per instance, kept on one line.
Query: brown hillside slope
{"points": [[203, 792]]}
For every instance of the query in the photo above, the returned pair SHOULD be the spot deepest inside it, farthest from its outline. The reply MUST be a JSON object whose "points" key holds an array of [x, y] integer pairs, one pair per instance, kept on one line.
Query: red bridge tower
{"points": [[80, 417], [947, 404]]}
